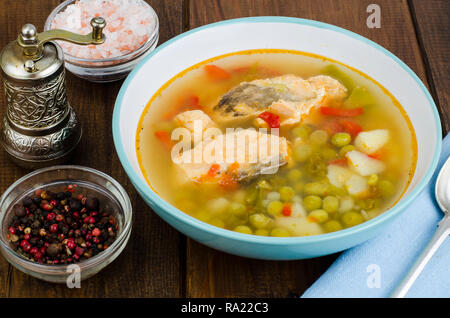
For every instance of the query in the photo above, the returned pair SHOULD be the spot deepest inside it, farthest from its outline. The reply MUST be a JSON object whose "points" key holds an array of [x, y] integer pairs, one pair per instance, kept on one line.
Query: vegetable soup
{"points": [[298, 144]]}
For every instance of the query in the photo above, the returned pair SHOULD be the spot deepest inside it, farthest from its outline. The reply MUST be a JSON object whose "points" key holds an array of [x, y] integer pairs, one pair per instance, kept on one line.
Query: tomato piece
{"points": [[165, 139], [287, 210], [213, 170], [271, 119], [351, 127], [216, 73], [341, 112]]}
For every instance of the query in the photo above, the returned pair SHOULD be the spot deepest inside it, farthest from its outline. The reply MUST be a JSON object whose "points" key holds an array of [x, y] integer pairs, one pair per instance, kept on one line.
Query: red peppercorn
{"points": [[75, 215], [38, 192], [59, 218], [25, 245], [34, 250], [96, 232], [38, 255], [96, 240], [88, 237], [71, 245], [12, 230], [89, 220], [88, 244], [79, 197], [42, 250], [54, 202], [77, 257], [54, 228], [50, 216], [46, 244], [93, 213], [47, 207], [27, 237], [79, 251]]}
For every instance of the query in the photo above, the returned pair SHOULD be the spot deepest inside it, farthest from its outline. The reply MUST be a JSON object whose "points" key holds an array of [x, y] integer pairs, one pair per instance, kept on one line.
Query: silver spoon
{"points": [[442, 193]]}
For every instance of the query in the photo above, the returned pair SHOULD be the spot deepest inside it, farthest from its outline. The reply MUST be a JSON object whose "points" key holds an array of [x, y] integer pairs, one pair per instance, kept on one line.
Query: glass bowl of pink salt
{"points": [[132, 32]]}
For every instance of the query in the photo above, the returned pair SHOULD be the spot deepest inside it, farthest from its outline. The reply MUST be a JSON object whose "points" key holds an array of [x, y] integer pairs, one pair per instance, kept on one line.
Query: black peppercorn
{"points": [[92, 203], [19, 210]]}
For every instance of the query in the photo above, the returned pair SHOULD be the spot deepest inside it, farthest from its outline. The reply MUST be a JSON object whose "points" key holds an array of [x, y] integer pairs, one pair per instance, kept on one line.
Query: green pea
{"points": [[279, 232], [341, 139], [286, 193], [261, 232], [318, 215], [312, 202], [274, 208], [203, 216], [294, 175], [259, 220], [372, 180], [302, 152], [298, 187], [329, 154], [316, 188], [243, 229], [386, 188], [318, 137], [352, 218], [302, 131], [217, 222], [346, 149], [332, 226], [330, 204], [237, 208]]}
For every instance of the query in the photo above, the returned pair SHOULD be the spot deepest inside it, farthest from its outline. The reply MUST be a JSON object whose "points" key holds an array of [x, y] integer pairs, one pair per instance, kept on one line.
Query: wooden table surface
{"points": [[159, 261]]}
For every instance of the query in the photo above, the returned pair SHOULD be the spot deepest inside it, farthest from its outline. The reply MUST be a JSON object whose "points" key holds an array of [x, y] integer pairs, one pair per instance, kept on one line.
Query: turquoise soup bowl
{"points": [[323, 39]]}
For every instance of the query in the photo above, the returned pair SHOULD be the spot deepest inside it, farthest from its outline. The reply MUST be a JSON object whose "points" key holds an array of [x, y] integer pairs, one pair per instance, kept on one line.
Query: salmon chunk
{"points": [[236, 155], [290, 97], [197, 120]]}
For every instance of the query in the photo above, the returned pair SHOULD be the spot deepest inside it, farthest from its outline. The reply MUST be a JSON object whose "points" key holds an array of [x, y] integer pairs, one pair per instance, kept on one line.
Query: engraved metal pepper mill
{"points": [[39, 127]]}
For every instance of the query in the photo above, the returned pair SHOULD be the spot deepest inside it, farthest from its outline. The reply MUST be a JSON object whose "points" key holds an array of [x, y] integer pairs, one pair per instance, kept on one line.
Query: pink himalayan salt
{"points": [[129, 23]]}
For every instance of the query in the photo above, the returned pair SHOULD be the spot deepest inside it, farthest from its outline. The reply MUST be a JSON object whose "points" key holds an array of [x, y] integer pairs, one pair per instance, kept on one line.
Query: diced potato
{"points": [[363, 164], [298, 210], [299, 226], [346, 204], [356, 185], [371, 141], [338, 175]]}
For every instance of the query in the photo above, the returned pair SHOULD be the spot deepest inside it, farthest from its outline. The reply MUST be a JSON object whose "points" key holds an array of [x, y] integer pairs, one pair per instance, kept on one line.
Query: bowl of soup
{"points": [[276, 138]]}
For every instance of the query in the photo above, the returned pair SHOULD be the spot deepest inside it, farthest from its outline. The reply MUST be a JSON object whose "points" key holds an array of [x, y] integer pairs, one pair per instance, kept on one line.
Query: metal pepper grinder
{"points": [[40, 128]]}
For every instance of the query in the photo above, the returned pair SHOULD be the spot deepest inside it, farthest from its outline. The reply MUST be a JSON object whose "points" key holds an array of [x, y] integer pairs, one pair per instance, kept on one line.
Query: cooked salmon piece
{"points": [[290, 97], [196, 118], [239, 155]]}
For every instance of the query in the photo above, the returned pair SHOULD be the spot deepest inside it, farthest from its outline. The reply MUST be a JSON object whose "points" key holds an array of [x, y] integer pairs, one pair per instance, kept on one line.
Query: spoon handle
{"points": [[441, 234]]}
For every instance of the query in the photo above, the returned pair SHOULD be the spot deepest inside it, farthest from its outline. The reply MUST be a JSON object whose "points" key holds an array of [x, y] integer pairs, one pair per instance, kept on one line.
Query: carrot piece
{"points": [[189, 102], [213, 170], [287, 210], [165, 139], [216, 73], [351, 127], [271, 119], [340, 162], [341, 112], [242, 69], [312, 219], [228, 182]]}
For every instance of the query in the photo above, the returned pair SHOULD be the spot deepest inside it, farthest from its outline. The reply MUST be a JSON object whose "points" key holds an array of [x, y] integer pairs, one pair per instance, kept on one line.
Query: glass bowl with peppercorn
{"points": [[55, 218]]}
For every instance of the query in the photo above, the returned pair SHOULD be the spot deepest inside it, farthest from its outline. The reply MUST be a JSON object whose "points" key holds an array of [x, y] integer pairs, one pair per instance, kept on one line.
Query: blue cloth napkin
{"points": [[376, 267]]}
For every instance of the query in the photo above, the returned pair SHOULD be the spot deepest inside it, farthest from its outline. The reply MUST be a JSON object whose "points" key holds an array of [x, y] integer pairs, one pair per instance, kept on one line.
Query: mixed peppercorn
{"points": [[60, 228]]}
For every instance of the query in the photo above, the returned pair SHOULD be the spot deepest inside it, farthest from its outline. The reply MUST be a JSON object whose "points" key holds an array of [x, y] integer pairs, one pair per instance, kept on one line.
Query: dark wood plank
{"points": [[214, 274], [150, 266], [432, 25]]}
